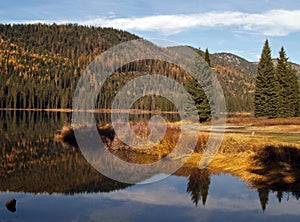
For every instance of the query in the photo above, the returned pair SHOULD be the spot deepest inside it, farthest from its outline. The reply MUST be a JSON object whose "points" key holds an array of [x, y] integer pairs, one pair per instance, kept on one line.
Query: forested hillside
{"points": [[237, 77], [41, 64]]}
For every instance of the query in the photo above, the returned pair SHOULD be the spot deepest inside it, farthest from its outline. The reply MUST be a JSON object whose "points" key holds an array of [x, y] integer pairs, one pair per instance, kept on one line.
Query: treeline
{"points": [[41, 64], [31, 161], [277, 88], [43, 165]]}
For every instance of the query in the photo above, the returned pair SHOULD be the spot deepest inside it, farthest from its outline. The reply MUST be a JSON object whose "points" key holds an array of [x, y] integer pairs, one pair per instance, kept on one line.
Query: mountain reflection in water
{"points": [[33, 163]]}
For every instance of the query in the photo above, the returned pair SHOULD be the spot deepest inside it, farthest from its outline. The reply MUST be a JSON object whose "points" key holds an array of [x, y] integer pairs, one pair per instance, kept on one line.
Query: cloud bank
{"points": [[276, 22]]}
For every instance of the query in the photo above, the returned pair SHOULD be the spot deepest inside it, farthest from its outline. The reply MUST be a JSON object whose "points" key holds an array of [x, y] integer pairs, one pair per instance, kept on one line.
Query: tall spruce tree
{"points": [[199, 99], [266, 90], [196, 89], [282, 73], [288, 87], [296, 92], [294, 101]]}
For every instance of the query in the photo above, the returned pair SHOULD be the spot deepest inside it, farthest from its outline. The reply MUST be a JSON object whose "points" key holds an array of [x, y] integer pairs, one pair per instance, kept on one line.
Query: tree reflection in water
{"points": [[279, 170], [31, 161], [198, 185]]}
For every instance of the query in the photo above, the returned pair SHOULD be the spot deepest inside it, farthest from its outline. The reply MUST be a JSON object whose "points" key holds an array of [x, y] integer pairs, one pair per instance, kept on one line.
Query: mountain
{"points": [[41, 64], [237, 77]]}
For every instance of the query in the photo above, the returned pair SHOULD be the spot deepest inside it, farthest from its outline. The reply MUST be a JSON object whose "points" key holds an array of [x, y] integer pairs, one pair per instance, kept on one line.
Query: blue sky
{"points": [[237, 26]]}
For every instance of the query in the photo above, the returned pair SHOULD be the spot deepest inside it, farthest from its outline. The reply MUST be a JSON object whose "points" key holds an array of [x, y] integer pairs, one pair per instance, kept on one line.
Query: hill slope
{"points": [[41, 64], [237, 77]]}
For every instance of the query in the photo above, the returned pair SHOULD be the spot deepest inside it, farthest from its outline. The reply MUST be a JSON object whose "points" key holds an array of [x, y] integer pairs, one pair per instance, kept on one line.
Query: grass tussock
{"points": [[66, 133]]}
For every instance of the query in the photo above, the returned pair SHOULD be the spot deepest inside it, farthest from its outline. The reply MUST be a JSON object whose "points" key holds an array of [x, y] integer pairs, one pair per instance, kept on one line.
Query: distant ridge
{"points": [[41, 65]]}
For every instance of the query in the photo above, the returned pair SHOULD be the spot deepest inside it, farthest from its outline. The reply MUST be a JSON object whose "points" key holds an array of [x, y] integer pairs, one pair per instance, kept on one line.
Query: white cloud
{"points": [[271, 23], [233, 202]]}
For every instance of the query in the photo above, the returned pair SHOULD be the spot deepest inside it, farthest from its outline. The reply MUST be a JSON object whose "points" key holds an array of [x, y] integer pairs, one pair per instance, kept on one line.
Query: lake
{"points": [[52, 181]]}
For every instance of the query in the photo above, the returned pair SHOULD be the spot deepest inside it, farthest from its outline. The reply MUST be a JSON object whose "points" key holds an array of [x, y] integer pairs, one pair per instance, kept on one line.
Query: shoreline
{"points": [[131, 111], [228, 114]]}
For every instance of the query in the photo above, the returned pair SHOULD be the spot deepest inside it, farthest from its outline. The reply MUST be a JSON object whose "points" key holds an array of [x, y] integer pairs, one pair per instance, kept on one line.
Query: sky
{"points": [[236, 26]]}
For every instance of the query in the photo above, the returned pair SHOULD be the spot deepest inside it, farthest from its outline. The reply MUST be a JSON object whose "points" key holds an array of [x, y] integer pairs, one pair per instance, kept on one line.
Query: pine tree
{"points": [[266, 90], [282, 73], [206, 57], [195, 89], [294, 92], [191, 111], [199, 99], [288, 87]]}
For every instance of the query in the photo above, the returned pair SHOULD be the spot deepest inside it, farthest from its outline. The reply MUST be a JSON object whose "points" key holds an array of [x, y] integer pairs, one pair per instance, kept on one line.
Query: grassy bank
{"points": [[259, 159]]}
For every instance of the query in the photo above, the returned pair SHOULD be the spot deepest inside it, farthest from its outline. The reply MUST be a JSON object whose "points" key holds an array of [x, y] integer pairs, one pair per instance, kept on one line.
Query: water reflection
{"points": [[198, 185], [32, 162], [279, 171]]}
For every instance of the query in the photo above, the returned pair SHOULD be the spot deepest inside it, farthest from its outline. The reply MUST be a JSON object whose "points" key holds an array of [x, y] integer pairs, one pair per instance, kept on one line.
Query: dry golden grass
{"points": [[251, 121], [259, 169], [232, 142], [257, 159], [260, 161]]}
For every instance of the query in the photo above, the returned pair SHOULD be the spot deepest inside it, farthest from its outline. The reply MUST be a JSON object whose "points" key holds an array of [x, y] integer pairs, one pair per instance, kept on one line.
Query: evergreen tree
{"points": [[283, 80], [195, 89], [191, 111], [199, 99], [294, 92], [206, 57], [288, 87], [266, 90]]}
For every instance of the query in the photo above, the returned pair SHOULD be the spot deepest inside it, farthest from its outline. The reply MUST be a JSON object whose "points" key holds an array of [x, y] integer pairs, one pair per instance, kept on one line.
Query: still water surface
{"points": [[52, 182]]}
